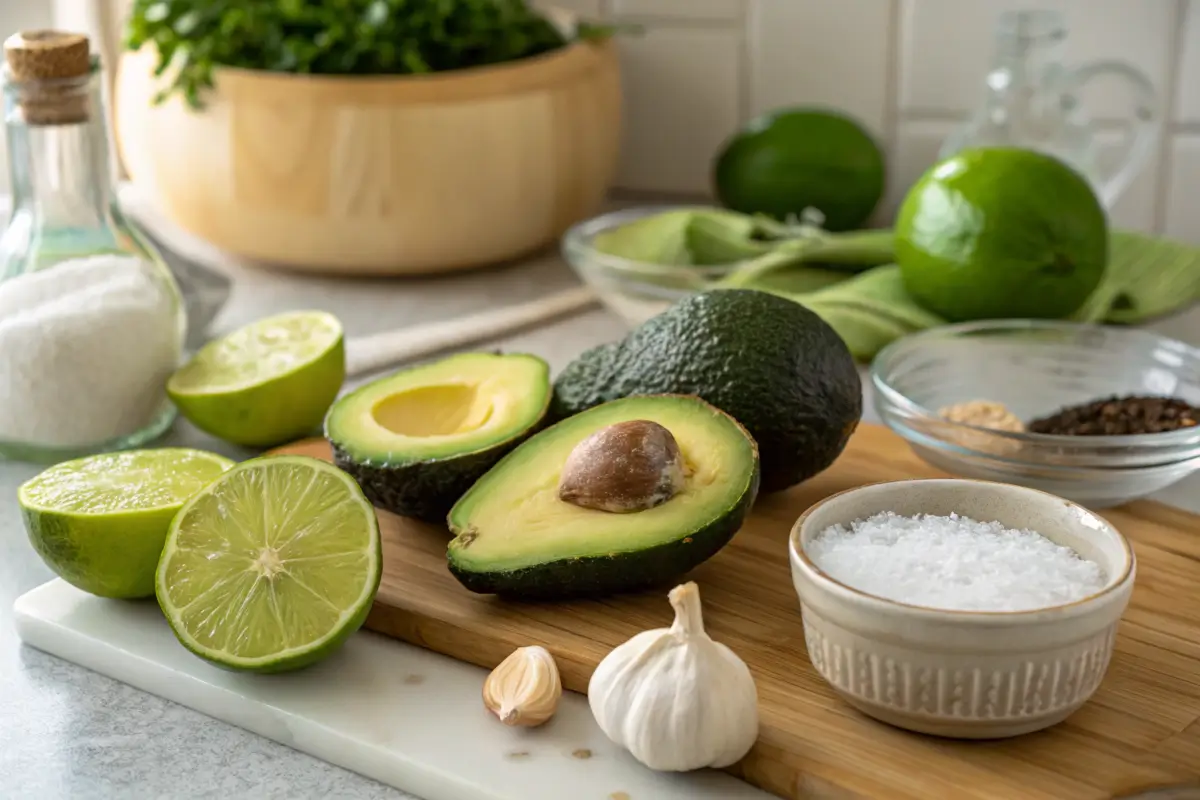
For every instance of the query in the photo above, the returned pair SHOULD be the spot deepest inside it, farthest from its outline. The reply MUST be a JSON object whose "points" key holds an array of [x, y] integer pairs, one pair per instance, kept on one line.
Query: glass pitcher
{"points": [[1032, 100]]}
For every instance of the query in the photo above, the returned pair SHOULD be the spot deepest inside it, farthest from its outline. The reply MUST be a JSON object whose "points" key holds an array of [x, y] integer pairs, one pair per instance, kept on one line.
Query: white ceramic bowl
{"points": [[963, 674]]}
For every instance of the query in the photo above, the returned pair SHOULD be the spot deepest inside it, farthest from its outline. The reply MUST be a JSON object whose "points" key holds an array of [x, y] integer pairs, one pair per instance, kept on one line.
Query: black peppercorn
{"points": [[1119, 416]]}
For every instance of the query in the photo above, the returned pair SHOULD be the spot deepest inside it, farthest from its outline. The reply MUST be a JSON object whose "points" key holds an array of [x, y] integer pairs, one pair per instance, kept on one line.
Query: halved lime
{"points": [[273, 566], [267, 383], [100, 522]]}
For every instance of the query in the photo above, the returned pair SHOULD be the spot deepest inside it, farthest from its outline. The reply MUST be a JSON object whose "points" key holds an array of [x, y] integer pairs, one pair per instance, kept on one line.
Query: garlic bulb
{"points": [[524, 689], [674, 698]]}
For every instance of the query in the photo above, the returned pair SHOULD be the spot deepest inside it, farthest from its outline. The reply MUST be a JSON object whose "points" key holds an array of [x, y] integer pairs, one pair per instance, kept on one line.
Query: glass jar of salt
{"points": [[91, 320]]}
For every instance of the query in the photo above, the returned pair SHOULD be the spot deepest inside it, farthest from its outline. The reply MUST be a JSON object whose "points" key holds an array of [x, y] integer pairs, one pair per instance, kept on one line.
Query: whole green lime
{"points": [[792, 159], [1001, 232]]}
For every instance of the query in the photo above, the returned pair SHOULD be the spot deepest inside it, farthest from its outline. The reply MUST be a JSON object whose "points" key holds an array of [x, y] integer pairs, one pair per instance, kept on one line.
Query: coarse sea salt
{"points": [[953, 563]]}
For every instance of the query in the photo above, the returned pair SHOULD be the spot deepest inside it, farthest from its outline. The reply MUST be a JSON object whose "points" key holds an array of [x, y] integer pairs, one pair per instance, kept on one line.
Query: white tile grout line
{"points": [[890, 135], [1170, 128], [1162, 188], [891, 99], [746, 60], [680, 23]]}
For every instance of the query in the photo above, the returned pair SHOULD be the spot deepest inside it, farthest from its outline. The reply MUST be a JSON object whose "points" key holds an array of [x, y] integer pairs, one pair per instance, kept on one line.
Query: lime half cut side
{"points": [[266, 383], [100, 522], [272, 567]]}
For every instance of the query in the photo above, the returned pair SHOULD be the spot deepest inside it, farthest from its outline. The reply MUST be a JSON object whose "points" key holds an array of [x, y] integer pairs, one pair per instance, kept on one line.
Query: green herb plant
{"points": [[337, 37]]}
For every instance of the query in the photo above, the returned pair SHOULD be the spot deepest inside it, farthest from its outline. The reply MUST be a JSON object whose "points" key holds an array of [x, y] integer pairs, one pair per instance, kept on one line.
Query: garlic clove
{"points": [[524, 689]]}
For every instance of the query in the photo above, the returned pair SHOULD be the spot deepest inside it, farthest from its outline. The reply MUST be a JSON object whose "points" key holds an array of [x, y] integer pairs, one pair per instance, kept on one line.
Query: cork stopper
{"points": [[48, 67]]}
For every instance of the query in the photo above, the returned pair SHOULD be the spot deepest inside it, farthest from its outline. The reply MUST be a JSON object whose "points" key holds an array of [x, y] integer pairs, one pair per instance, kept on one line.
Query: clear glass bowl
{"points": [[1035, 368], [633, 290]]}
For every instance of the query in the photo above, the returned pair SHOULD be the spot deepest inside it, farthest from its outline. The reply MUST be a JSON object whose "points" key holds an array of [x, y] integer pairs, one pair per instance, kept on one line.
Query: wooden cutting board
{"points": [[1141, 729]]}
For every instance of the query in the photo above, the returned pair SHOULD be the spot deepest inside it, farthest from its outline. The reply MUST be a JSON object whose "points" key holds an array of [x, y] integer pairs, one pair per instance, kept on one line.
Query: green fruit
{"points": [[272, 567], [786, 161], [770, 363], [516, 536], [417, 439], [267, 383], [99, 522], [1001, 233]]}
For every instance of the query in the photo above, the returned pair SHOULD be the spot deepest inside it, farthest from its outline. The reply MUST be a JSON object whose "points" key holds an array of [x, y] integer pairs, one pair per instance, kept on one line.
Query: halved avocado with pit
{"points": [[516, 535], [417, 439]]}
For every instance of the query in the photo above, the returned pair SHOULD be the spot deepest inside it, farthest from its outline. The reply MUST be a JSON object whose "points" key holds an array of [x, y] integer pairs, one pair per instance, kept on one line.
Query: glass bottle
{"points": [[1033, 99], [92, 321]]}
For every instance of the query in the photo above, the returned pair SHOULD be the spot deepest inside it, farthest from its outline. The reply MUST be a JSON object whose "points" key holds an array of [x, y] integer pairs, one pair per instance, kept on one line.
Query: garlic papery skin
{"points": [[524, 689], [674, 698]]}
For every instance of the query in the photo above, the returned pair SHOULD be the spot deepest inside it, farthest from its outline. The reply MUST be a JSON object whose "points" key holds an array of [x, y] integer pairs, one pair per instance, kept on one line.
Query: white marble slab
{"points": [[407, 717]]}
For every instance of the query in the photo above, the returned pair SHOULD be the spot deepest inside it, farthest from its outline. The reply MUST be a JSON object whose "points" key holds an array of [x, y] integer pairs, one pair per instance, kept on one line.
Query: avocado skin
{"points": [[427, 490], [424, 490], [770, 363], [598, 576]]}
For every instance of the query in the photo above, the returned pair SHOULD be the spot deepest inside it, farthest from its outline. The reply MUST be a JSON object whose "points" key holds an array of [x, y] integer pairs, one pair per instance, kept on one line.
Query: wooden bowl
{"points": [[379, 175]]}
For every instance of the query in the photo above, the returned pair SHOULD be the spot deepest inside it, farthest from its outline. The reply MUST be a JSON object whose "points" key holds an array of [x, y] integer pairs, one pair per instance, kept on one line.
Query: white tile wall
{"points": [[1187, 97], [914, 149], [1182, 216], [592, 9], [682, 98], [681, 9], [1137, 206], [801, 53], [946, 46], [908, 69]]}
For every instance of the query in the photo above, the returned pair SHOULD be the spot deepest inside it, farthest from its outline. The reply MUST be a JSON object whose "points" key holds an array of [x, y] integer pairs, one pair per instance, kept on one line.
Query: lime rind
{"points": [[258, 353], [241, 577]]}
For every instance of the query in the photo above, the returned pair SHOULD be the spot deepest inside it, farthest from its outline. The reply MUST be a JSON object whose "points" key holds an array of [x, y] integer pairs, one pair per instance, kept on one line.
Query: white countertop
{"points": [[70, 733]]}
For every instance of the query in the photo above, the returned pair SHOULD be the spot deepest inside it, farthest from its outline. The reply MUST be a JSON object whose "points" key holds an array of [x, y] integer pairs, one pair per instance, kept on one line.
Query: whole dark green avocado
{"points": [[770, 363]]}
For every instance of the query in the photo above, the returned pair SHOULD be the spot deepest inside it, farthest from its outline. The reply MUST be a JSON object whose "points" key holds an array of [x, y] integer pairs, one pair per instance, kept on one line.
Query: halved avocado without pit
{"points": [[624, 496], [417, 439]]}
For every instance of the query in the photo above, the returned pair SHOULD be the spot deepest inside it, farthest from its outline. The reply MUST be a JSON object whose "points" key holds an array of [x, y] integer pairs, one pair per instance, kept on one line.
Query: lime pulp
{"points": [[100, 522], [271, 567], [267, 383]]}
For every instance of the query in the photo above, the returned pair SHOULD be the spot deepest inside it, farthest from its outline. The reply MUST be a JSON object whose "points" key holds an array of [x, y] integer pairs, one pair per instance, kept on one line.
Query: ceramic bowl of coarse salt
{"points": [[960, 608]]}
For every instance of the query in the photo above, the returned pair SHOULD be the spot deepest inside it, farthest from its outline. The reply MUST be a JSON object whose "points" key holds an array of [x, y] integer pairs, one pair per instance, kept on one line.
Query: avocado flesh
{"points": [[770, 363], [515, 537], [417, 439]]}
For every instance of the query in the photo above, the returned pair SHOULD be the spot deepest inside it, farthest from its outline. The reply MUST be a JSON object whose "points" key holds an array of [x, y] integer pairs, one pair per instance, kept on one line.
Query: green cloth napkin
{"points": [[1147, 278]]}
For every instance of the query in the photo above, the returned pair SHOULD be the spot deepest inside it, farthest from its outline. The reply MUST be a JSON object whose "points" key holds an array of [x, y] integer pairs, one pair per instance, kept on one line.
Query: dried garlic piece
{"points": [[984, 414], [524, 689]]}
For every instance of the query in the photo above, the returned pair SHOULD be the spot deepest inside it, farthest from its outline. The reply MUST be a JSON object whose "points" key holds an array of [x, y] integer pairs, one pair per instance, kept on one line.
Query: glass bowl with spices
{"points": [[1097, 414]]}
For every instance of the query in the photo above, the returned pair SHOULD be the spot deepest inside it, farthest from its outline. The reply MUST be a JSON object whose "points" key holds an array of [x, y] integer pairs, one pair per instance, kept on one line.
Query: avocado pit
{"points": [[623, 468]]}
